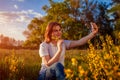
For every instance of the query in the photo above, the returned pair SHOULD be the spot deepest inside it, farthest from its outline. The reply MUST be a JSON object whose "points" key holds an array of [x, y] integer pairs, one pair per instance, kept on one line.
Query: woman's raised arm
{"points": [[85, 39]]}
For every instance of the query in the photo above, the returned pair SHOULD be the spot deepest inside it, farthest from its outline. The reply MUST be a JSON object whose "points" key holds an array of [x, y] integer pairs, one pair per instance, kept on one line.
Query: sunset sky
{"points": [[15, 15]]}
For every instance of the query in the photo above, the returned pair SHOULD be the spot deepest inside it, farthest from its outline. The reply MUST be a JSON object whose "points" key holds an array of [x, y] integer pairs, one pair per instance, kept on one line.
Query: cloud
{"points": [[21, 0], [21, 19], [13, 24], [10, 17], [20, 16], [13, 30], [15, 6], [18, 0], [3, 20], [36, 14]]}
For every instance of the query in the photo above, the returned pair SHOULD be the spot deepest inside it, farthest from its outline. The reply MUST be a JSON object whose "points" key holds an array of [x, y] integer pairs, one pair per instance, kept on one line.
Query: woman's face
{"points": [[56, 33]]}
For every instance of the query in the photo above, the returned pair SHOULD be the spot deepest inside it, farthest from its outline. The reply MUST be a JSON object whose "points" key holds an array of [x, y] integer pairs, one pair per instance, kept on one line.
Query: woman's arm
{"points": [[49, 61], [85, 39]]}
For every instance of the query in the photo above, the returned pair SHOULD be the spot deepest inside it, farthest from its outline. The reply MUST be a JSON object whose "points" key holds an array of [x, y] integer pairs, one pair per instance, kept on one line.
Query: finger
{"points": [[91, 23], [94, 26]]}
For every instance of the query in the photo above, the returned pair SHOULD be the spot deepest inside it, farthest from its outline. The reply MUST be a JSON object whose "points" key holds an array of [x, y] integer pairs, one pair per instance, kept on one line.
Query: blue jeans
{"points": [[54, 72]]}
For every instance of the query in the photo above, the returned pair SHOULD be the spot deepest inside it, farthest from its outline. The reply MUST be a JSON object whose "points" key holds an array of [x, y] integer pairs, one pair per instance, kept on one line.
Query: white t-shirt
{"points": [[50, 49]]}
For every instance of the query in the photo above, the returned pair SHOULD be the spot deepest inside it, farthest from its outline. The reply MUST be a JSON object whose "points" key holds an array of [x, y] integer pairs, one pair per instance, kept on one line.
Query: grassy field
{"points": [[90, 64], [25, 64]]}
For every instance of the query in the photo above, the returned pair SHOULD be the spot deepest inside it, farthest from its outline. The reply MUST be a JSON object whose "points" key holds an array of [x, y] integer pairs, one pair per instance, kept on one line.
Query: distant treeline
{"points": [[10, 43]]}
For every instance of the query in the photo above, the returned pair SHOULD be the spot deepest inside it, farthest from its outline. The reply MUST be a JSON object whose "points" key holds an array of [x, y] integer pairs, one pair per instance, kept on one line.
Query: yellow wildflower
{"points": [[74, 62]]}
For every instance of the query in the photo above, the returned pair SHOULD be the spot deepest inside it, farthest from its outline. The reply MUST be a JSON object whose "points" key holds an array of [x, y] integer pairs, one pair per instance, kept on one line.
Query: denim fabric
{"points": [[42, 74], [54, 72]]}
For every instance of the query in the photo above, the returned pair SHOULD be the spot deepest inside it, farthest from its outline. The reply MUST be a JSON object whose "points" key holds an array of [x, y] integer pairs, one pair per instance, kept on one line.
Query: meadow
{"points": [[89, 64]]}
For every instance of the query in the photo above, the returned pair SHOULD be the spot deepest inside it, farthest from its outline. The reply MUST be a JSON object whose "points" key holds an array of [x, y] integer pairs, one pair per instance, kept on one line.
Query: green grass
{"points": [[29, 68], [28, 64]]}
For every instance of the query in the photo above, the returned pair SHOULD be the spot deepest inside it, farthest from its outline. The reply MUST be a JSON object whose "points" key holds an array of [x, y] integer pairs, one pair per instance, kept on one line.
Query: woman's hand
{"points": [[94, 28]]}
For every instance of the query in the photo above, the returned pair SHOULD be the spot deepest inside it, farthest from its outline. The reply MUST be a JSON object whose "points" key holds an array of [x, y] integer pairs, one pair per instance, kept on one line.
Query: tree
{"points": [[72, 14], [9, 43], [115, 11], [34, 34], [75, 17]]}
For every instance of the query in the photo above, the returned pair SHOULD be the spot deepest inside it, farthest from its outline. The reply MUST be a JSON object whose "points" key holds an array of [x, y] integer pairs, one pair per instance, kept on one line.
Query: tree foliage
{"points": [[34, 33], [115, 11], [75, 17]]}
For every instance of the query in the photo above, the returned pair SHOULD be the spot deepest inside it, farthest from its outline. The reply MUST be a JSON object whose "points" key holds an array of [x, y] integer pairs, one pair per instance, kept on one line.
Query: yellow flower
{"points": [[115, 68], [55, 38], [117, 49], [69, 73], [95, 76], [106, 56], [13, 68], [77, 79], [118, 73], [81, 70], [110, 78], [74, 62]]}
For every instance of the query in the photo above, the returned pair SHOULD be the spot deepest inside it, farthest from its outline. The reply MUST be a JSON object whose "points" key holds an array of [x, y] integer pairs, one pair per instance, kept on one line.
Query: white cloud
{"points": [[21, 19], [18, 0], [36, 14], [21, 0], [13, 24], [14, 17], [20, 16], [30, 11], [15, 6], [3, 20]]}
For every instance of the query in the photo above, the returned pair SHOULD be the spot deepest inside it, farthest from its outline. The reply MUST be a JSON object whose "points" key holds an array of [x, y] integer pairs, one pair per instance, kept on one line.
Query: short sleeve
{"points": [[43, 50], [67, 43]]}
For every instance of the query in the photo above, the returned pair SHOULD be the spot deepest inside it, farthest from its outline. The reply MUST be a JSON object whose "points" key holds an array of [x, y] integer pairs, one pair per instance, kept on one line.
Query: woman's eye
{"points": [[56, 30]]}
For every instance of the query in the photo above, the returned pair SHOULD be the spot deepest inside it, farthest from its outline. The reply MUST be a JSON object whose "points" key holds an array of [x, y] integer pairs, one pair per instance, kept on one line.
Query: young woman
{"points": [[52, 51]]}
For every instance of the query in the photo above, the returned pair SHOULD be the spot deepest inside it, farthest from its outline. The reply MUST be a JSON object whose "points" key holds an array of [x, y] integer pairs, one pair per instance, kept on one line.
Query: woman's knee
{"points": [[58, 65], [57, 69]]}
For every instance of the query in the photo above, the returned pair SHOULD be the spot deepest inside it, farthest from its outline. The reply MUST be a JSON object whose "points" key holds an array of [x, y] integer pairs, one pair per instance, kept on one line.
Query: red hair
{"points": [[49, 30]]}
